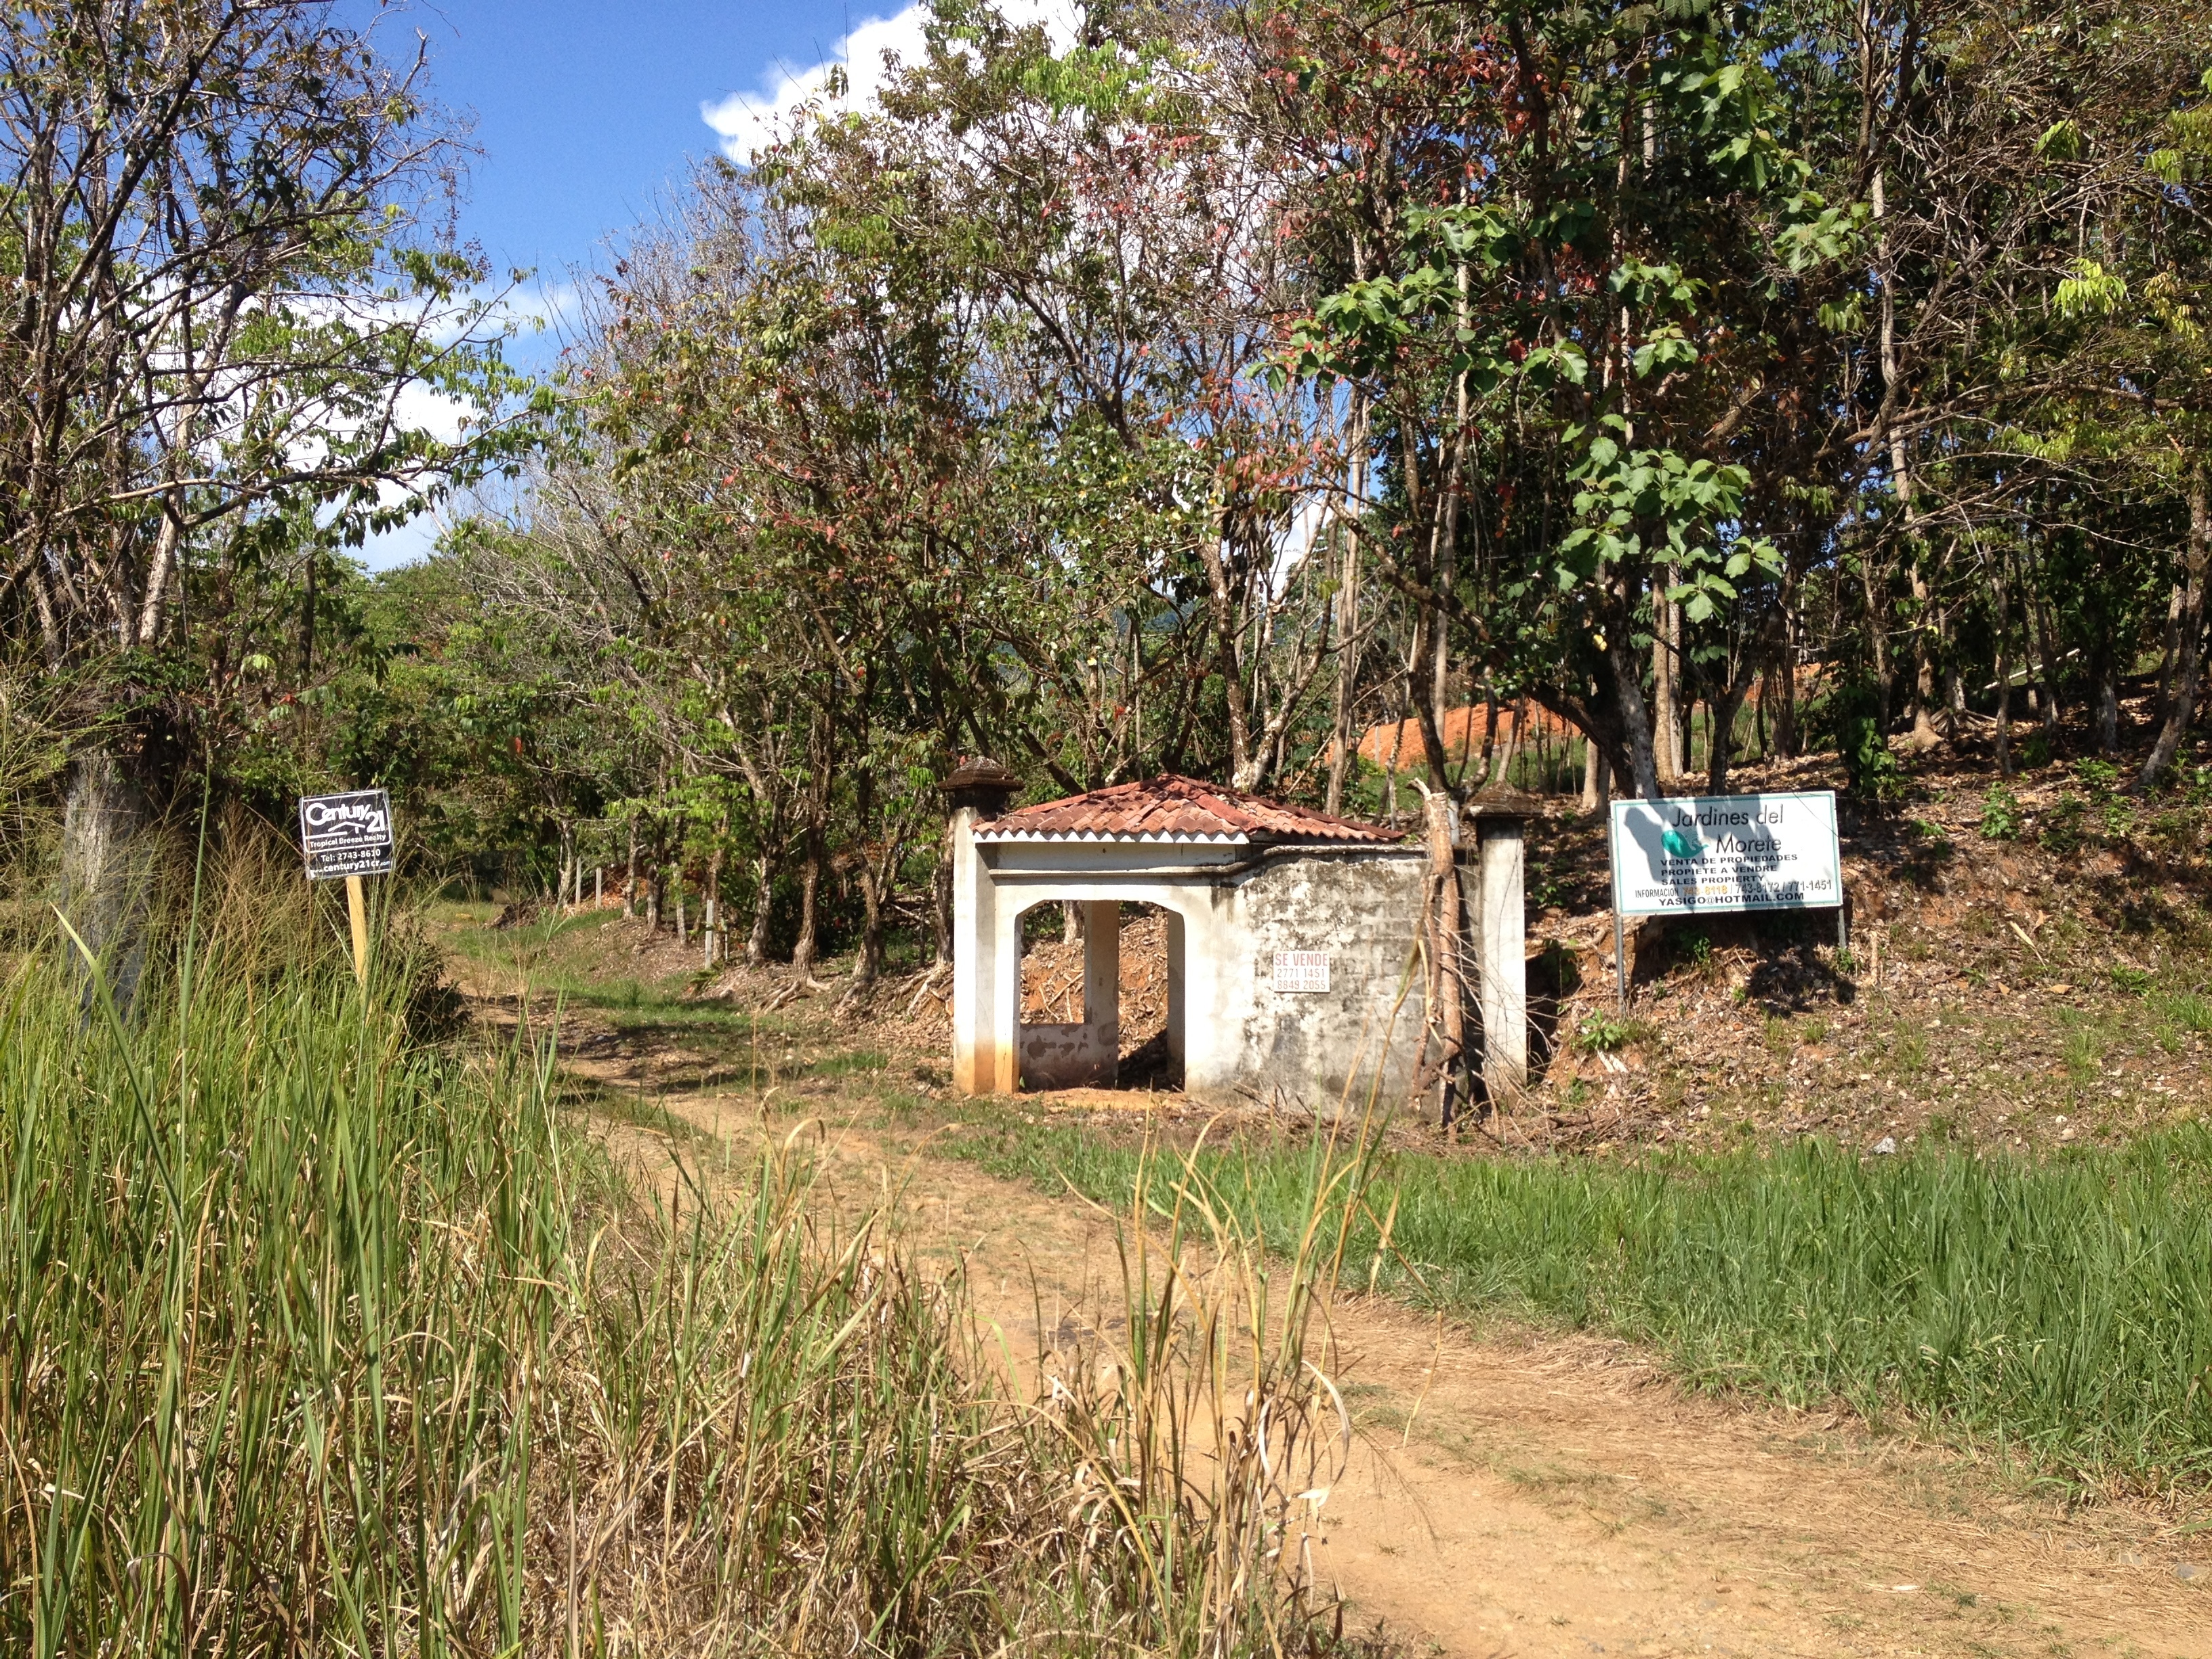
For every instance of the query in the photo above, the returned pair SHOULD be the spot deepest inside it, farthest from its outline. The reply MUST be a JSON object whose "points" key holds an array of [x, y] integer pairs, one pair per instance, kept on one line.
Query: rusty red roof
{"points": [[1173, 808]]}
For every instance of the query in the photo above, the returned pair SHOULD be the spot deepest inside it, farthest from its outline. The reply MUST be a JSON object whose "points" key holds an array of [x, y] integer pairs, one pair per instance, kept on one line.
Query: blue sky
{"points": [[586, 112]]}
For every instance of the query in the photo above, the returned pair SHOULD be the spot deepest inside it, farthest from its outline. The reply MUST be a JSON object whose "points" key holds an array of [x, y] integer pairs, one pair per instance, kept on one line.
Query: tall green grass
{"points": [[2058, 1312], [318, 1337]]}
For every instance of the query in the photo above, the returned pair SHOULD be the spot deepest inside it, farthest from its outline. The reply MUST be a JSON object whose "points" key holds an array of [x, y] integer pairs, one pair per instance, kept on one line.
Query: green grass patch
{"points": [[2058, 1310]]}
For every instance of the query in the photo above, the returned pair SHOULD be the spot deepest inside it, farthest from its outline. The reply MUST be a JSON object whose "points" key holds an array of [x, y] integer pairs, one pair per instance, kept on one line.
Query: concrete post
{"points": [[1177, 998], [975, 932], [1101, 985], [1000, 1036], [983, 1058], [1502, 948]]}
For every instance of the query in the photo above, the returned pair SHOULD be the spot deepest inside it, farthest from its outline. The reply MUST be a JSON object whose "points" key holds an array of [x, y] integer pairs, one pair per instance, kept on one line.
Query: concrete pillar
{"points": [[1177, 996], [1002, 1031], [983, 1035], [975, 935], [1101, 985], [1501, 954]]}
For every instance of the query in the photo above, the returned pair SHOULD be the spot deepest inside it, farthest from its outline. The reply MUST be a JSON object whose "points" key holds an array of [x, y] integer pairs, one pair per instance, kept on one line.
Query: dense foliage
{"points": [[1200, 386]]}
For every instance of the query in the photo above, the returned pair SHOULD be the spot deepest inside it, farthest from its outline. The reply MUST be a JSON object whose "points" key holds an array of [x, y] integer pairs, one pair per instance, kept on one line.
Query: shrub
{"points": [[2001, 815]]}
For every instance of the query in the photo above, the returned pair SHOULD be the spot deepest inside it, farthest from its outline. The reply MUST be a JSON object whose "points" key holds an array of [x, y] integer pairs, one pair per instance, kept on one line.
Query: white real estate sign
{"points": [[1706, 853]]}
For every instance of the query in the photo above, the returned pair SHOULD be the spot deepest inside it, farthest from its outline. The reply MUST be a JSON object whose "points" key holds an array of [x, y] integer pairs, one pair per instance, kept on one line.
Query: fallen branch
{"points": [[928, 988]]}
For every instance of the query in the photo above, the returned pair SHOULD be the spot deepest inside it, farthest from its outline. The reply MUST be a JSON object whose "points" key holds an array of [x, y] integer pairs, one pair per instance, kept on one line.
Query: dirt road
{"points": [[1548, 1497]]}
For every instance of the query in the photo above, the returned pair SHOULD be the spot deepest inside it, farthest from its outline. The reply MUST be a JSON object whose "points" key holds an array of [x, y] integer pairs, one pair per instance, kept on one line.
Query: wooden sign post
{"points": [[349, 835]]}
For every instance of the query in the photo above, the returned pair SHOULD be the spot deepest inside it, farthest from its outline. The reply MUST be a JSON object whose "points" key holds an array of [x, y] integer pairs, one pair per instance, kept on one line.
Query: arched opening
{"points": [[1102, 1001]]}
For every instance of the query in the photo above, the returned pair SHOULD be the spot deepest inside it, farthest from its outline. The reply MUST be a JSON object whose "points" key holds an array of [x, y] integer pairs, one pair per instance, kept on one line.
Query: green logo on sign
{"points": [[1682, 843]]}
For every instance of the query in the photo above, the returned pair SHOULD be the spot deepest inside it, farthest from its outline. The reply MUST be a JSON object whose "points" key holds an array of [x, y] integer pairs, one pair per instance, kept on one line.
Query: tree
{"points": [[212, 314]]}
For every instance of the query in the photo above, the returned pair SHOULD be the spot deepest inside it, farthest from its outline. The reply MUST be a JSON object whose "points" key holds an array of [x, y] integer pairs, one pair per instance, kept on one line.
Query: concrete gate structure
{"points": [[1293, 974]]}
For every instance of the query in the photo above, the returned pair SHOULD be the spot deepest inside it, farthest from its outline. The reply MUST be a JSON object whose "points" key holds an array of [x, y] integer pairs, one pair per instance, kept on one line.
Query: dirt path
{"points": [[1554, 1498]]}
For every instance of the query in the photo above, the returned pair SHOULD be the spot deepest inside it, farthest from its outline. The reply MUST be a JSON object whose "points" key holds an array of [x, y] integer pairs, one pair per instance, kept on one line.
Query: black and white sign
{"points": [[1726, 852], [1300, 971], [347, 834]]}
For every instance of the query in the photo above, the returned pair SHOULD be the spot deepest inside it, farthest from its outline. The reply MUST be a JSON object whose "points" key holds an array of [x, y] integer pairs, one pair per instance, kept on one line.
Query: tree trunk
{"points": [[2169, 653], [1597, 777], [2108, 676], [1924, 734], [713, 951], [2188, 660], [1444, 1040], [1668, 762], [107, 856], [1786, 710], [803, 954], [1718, 748], [869, 965], [1343, 756], [1635, 715], [2005, 681], [763, 902], [629, 875], [941, 906]]}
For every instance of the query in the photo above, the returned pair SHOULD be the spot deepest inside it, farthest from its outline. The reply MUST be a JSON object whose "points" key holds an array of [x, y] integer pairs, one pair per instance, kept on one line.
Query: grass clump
{"points": [[322, 1337], [2058, 1310]]}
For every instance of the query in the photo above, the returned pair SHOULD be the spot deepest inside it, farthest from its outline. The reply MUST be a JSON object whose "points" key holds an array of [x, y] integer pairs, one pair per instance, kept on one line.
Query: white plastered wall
{"points": [[1230, 910]]}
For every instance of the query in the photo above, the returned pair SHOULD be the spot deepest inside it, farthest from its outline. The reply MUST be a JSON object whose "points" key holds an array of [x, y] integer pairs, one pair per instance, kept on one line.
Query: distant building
{"points": [[1294, 970]]}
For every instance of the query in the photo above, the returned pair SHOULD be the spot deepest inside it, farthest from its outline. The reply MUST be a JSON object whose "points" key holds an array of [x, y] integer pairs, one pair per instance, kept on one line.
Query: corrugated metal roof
{"points": [[1176, 808]]}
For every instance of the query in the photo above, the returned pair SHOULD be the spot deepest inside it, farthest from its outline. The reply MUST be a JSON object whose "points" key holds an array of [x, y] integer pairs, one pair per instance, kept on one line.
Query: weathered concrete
{"points": [[1240, 1033], [1229, 912], [1501, 952], [1087, 1052]]}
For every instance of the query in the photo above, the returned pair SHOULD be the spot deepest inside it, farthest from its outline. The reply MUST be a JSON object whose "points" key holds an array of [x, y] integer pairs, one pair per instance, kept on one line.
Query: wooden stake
{"points": [[357, 914]]}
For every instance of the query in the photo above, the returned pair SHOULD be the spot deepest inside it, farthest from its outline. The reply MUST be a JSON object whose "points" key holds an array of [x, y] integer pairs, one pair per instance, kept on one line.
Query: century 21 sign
{"points": [[347, 834]]}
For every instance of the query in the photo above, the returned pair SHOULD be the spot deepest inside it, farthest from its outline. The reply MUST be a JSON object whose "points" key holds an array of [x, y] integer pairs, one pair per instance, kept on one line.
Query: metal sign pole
{"points": [[1619, 933]]}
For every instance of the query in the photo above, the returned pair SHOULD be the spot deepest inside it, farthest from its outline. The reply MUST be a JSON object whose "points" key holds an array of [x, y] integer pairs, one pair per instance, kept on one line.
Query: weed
{"points": [[2189, 1010], [1546, 887], [1602, 1034], [2132, 980], [2115, 812], [2101, 778], [2063, 830], [325, 1338], [2083, 1050], [1815, 1029], [1933, 834], [1909, 1052], [1700, 951], [2001, 814]]}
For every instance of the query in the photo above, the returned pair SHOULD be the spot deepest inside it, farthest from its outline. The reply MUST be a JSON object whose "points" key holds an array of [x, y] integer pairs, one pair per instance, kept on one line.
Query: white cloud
{"points": [[751, 121]]}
